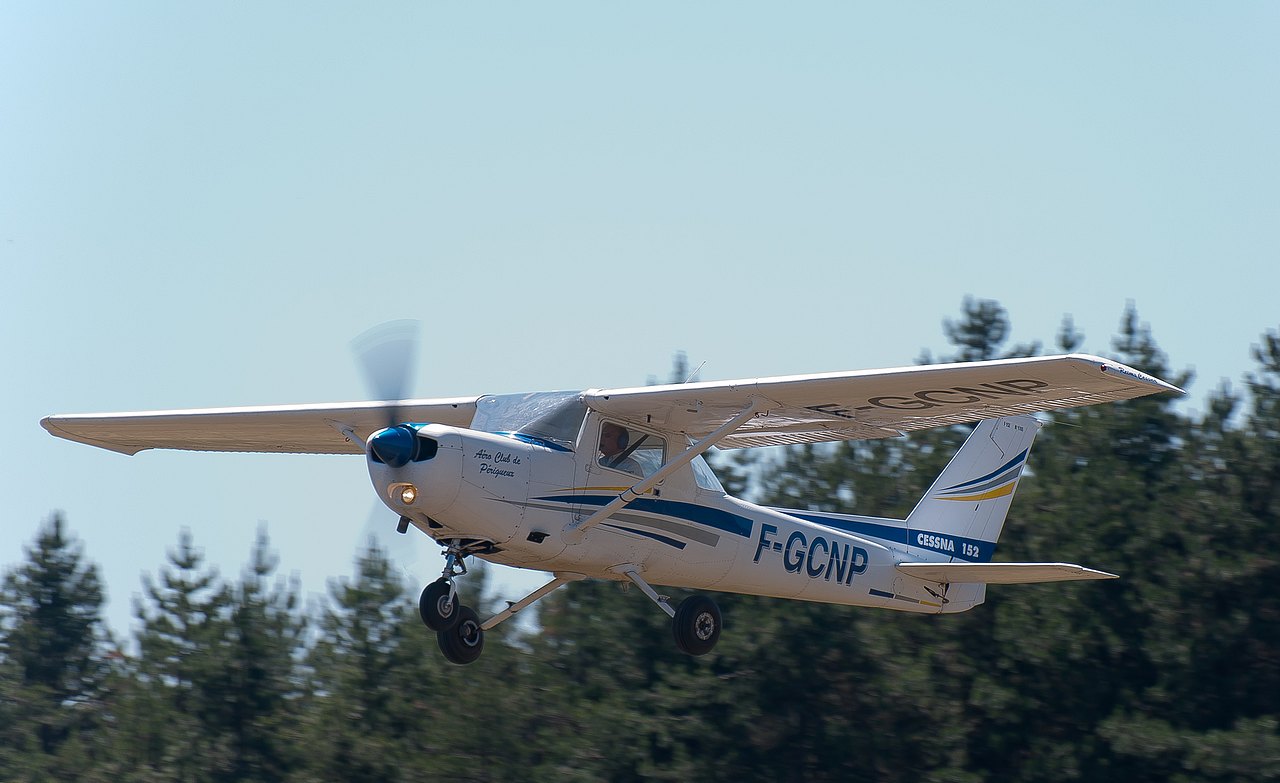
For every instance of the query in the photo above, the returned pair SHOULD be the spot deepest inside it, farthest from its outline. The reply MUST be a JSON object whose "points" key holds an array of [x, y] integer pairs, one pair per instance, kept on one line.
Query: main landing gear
{"points": [[695, 624]]}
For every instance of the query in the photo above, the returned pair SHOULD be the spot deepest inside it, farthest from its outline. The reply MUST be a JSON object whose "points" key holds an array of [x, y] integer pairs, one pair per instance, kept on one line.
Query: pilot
{"points": [[613, 449]]}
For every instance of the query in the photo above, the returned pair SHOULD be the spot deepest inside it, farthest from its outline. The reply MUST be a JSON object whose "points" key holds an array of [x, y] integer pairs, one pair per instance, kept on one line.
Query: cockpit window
{"points": [[551, 418], [630, 451], [560, 425]]}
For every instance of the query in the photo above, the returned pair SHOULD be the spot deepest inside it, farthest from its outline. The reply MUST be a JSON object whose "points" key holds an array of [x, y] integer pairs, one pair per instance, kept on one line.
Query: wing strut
{"points": [[575, 529]]}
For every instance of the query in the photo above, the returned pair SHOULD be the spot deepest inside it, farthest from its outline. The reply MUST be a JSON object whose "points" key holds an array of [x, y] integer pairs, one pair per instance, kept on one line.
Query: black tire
{"points": [[464, 642], [697, 625], [434, 607]]}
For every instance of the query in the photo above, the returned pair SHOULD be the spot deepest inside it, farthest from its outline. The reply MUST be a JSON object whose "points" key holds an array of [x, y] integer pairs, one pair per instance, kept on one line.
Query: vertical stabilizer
{"points": [[961, 515]]}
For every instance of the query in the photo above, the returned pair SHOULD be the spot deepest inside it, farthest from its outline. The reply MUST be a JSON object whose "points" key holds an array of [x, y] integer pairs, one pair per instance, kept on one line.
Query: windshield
{"points": [[553, 418]]}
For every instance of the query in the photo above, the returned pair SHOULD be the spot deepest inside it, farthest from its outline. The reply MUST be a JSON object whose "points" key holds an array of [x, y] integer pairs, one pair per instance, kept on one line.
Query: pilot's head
{"points": [[613, 439]]}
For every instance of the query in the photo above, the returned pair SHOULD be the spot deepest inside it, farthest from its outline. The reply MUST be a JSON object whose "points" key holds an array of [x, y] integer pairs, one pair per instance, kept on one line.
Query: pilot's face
{"points": [[610, 434]]}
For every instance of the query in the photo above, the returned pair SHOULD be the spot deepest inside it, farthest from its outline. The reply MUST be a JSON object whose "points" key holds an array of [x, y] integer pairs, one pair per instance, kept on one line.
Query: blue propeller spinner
{"points": [[394, 446]]}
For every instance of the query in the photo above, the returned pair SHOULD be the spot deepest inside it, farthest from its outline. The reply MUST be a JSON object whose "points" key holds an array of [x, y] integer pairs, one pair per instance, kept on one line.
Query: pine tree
{"points": [[1213, 635], [216, 688], [981, 330], [254, 700], [362, 720], [1061, 662], [52, 658], [184, 613]]}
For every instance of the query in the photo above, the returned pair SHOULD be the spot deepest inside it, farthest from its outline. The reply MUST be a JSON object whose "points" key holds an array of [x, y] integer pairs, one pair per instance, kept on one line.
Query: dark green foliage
{"points": [[369, 687], [1170, 673], [177, 669], [215, 688], [52, 661], [981, 331]]}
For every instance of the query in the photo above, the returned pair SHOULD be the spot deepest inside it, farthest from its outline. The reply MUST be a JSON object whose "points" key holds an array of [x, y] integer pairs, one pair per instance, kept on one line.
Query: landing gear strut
{"points": [[459, 631], [457, 627], [695, 624]]}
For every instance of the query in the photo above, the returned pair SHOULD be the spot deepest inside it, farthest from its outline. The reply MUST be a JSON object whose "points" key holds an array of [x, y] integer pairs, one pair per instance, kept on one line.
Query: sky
{"points": [[203, 204]]}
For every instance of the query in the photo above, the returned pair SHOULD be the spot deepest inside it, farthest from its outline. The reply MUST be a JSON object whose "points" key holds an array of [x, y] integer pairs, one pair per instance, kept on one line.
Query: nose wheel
{"points": [[457, 627], [438, 605], [463, 642]]}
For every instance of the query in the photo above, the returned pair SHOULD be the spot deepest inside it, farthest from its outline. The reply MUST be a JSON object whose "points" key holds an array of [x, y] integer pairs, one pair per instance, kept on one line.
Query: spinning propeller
{"points": [[386, 355]]}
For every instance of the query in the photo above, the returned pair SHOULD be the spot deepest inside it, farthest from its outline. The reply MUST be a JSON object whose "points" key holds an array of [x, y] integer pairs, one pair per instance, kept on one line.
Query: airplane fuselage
{"points": [[522, 498]]}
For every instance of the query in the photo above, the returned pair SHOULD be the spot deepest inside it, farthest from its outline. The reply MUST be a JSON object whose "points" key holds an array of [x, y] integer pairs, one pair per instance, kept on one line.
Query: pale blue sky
{"points": [[202, 204]]}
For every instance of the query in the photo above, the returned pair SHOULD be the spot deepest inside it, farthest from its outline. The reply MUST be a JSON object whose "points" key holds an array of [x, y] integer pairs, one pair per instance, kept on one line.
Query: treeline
{"points": [[1170, 673]]}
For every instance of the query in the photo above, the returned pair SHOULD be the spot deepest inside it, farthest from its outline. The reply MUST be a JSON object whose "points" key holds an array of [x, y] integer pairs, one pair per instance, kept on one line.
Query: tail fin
{"points": [[962, 514]]}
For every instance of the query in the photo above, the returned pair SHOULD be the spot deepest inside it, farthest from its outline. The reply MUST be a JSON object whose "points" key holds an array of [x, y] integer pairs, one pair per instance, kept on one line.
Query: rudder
{"points": [[962, 514]]}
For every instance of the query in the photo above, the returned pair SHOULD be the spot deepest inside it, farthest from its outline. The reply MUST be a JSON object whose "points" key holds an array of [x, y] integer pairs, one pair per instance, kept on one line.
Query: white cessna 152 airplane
{"points": [[611, 483]]}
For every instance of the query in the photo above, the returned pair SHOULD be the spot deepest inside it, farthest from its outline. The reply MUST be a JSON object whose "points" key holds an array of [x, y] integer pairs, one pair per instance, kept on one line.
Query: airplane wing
{"points": [[291, 429], [877, 403], [1002, 573]]}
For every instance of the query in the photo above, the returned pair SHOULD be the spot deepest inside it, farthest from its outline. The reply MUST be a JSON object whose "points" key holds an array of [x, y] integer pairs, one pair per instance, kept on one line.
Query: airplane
{"points": [[612, 483]]}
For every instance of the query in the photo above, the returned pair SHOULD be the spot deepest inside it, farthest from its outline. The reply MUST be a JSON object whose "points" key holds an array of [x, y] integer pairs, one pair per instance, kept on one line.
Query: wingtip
{"points": [[50, 424], [1116, 368]]}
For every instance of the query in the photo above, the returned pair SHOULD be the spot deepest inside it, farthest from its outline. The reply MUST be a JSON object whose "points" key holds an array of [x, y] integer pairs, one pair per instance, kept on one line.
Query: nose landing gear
{"points": [[457, 627]]}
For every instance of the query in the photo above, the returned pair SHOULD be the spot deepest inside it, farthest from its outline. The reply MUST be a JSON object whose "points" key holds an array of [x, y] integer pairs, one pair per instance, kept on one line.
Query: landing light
{"points": [[405, 493]]}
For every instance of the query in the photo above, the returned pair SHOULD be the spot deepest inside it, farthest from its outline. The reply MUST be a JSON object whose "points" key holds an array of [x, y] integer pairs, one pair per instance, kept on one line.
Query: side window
{"points": [[630, 451], [704, 476]]}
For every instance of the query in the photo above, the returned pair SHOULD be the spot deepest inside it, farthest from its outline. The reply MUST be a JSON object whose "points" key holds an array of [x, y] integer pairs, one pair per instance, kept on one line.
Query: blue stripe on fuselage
{"points": [[946, 543], [689, 512]]}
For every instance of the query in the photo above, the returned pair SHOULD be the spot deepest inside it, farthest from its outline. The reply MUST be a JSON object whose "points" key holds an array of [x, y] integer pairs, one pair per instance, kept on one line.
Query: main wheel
{"points": [[464, 642], [435, 608], [696, 625]]}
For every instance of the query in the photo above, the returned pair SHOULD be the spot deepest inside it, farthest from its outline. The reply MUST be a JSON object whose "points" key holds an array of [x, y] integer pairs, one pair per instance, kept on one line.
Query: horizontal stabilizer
{"points": [[1001, 573]]}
